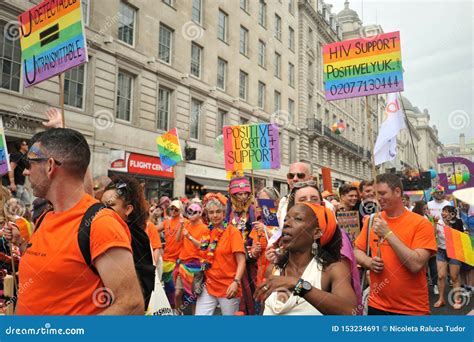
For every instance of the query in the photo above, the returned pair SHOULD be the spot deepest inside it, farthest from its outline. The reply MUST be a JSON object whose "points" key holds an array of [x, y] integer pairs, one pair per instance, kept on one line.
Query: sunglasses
{"points": [[291, 175], [174, 209], [305, 184], [29, 161]]}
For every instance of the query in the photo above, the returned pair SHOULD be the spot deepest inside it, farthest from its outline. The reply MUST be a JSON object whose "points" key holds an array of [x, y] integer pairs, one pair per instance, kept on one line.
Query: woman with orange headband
{"points": [[309, 278]]}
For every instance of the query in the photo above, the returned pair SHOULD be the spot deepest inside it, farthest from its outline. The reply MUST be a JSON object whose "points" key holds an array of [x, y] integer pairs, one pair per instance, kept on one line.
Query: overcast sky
{"points": [[437, 55]]}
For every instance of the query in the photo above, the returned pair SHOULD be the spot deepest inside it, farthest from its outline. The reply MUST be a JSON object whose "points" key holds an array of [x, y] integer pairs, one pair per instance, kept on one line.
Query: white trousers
{"points": [[206, 304]]}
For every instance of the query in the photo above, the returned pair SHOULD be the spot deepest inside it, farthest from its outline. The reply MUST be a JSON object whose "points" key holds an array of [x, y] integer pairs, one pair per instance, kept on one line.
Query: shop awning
{"points": [[211, 184]]}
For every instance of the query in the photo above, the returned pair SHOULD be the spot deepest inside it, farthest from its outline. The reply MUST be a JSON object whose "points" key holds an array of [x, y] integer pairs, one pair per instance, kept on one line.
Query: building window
{"points": [[10, 59], [126, 23], [168, 2], [262, 13], [164, 46], [196, 53], [261, 95], [261, 53], [277, 101], [277, 72], [124, 96], [292, 155], [196, 11], [291, 110], [195, 116], [74, 86], [244, 4], [291, 38], [85, 11], [310, 38], [221, 73], [244, 39], [164, 108], [221, 121], [243, 85], [243, 121], [222, 26], [291, 74], [310, 105], [310, 72], [277, 33], [291, 6]]}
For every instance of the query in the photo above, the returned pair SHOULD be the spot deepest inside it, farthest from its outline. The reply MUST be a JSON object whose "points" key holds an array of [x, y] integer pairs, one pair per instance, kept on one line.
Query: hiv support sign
{"points": [[52, 39], [363, 66], [251, 147], [169, 148]]}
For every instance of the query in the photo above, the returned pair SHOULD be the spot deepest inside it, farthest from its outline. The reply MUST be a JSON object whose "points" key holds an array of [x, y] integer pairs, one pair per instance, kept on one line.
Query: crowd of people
{"points": [[216, 252]]}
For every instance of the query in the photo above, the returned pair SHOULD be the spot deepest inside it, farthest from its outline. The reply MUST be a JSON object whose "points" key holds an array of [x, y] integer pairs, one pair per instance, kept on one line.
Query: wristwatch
{"points": [[302, 287]]}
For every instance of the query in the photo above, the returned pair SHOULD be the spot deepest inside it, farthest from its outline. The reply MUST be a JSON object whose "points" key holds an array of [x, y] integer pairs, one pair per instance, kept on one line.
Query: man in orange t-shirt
{"points": [[53, 270], [172, 248], [401, 243]]}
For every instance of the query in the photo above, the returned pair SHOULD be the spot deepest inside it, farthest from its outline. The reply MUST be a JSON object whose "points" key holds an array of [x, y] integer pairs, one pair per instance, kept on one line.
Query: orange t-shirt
{"points": [[172, 247], [189, 250], [262, 261], [152, 232], [396, 289], [224, 266], [53, 271]]}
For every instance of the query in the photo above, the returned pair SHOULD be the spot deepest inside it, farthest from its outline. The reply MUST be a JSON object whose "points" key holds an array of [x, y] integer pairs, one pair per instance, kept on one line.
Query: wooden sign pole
{"points": [[61, 97]]}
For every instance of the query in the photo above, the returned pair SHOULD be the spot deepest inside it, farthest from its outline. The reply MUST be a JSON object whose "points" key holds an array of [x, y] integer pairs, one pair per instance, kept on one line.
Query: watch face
{"points": [[307, 286]]}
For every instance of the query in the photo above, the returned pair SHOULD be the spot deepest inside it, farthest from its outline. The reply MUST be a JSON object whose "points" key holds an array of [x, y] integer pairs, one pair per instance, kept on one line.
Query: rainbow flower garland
{"points": [[208, 247]]}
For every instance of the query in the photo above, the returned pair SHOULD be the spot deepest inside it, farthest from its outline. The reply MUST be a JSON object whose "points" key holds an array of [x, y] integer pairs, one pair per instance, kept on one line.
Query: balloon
{"points": [[338, 127], [457, 179], [466, 176], [219, 147], [452, 187], [433, 173]]}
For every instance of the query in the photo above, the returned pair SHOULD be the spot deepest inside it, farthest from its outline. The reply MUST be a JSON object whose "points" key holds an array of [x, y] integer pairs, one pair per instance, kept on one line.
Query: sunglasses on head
{"points": [[305, 184], [194, 212], [174, 209], [291, 175]]}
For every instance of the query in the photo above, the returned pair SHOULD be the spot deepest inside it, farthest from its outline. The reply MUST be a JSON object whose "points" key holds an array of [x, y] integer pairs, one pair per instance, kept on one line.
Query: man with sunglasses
{"points": [[18, 164], [299, 172], [59, 280]]}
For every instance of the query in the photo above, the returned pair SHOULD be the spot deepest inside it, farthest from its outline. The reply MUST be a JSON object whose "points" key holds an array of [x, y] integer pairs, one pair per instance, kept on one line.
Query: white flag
{"points": [[386, 145]]}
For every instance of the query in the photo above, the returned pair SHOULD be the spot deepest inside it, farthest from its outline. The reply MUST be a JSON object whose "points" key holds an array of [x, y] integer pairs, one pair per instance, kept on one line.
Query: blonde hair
{"points": [[5, 195]]}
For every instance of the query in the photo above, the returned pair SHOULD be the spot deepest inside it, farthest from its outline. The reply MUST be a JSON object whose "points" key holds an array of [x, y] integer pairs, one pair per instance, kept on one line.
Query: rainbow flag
{"points": [[459, 246], [52, 40], [363, 66], [251, 147], [169, 148], [4, 158]]}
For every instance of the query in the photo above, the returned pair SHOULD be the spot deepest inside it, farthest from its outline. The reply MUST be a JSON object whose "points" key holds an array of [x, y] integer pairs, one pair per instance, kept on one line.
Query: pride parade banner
{"points": [[251, 147], [52, 39], [4, 159], [169, 149], [363, 66], [459, 246]]}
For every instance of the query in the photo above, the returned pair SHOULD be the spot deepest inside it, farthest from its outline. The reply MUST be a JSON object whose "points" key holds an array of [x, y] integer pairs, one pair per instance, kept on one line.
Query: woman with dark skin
{"points": [[310, 278]]}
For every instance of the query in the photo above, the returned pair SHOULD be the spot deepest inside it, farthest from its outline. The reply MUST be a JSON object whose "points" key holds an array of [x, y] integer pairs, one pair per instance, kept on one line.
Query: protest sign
{"points": [[4, 158], [349, 221], [459, 246], [251, 147], [52, 39], [269, 212], [169, 148], [363, 66]]}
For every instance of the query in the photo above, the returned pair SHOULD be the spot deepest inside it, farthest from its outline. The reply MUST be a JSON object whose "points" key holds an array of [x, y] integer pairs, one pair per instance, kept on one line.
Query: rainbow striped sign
{"points": [[459, 246], [4, 159], [363, 66], [251, 147], [52, 39], [169, 149]]}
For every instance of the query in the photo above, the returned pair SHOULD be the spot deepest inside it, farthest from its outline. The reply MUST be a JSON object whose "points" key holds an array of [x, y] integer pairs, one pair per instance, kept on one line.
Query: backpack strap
{"points": [[41, 218], [84, 233]]}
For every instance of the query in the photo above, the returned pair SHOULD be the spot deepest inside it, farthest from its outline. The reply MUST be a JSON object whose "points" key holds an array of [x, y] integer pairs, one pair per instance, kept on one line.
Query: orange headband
{"points": [[326, 220]]}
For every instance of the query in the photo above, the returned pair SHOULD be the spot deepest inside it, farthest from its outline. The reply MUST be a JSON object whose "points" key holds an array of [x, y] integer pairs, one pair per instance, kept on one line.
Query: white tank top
{"points": [[294, 305]]}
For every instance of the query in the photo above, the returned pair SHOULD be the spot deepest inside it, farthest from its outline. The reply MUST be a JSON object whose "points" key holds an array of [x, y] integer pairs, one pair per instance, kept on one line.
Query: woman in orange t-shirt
{"points": [[189, 262], [224, 264]]}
